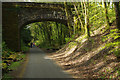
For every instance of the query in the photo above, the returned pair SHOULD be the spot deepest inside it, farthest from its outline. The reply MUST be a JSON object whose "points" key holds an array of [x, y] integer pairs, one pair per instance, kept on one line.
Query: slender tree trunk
{"points": [[63, 34], [44, 32], [50, 33], [78, 15], [75, 24], [82, 8], [57, 30], [117, 11], [106, 15], [61, 39], [58, 33], [68, 18], [86, 20], [47, 33], [40, 27]]}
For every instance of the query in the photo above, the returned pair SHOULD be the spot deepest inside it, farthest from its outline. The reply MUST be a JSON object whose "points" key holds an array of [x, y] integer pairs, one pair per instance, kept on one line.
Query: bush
{"points": [[24, 48], [68, 39], [115, 44]]}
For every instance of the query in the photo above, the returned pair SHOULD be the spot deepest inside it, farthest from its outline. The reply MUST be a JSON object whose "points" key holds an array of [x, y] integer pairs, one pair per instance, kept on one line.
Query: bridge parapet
{"points": [[29, 15]]}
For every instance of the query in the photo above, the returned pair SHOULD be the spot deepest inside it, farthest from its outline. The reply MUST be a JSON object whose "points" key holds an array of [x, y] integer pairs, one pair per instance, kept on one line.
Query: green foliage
{"points": [[72, 44], [7, 77], [10, 59], [4, 66], [114, 36], [68, 39], [91, 40], [14, 65], [96, 18], [24, 47], [111, 14], [5, 51], [118, 72], [26, 36], [3, 45], [48, 34], [96, 14]]}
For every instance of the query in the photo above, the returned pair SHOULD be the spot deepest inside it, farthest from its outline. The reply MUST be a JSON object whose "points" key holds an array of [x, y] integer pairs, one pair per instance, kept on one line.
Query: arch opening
{"points": [[46, 34]]}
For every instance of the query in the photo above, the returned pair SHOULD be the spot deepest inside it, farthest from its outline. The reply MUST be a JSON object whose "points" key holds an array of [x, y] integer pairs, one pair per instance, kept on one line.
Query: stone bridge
{"points": [[17, 15]]}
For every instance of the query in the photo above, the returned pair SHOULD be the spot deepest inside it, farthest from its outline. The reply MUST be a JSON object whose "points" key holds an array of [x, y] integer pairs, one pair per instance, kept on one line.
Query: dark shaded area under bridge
{"points": [[16, 15]]}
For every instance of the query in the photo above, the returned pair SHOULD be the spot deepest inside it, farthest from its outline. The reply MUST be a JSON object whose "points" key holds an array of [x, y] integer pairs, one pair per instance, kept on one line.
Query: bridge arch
{"points": [[30, 15], [16, 15]]}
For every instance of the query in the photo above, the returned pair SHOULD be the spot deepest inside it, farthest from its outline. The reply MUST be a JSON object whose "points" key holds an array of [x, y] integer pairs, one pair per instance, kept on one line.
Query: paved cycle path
{"points": [[39, 67]]}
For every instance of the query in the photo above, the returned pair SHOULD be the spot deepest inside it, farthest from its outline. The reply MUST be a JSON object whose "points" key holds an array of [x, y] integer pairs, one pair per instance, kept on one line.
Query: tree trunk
{"points": [[87, 31], [58, 33], [61, 39], [78, 16], [106, 16], [117, 11], [68, 18]]}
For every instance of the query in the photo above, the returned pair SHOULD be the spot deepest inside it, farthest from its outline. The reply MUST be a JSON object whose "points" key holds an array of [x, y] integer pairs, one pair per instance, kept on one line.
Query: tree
{"points": [[26, 35], [106, 15], [117, 11], [78, 15], [87, 29], [69, 21]]}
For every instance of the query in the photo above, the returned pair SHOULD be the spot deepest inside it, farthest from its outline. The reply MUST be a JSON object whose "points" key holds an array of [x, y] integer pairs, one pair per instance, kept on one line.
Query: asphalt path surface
{"points": [[39, 66]]}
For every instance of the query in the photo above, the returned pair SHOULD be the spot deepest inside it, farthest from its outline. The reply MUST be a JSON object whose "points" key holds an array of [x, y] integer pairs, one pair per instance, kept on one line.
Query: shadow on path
{"points": [[40, 67]]}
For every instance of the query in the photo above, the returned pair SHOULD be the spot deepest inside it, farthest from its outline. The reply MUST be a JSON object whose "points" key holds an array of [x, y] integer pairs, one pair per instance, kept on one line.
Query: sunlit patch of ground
{"points": [[88, 59]]}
